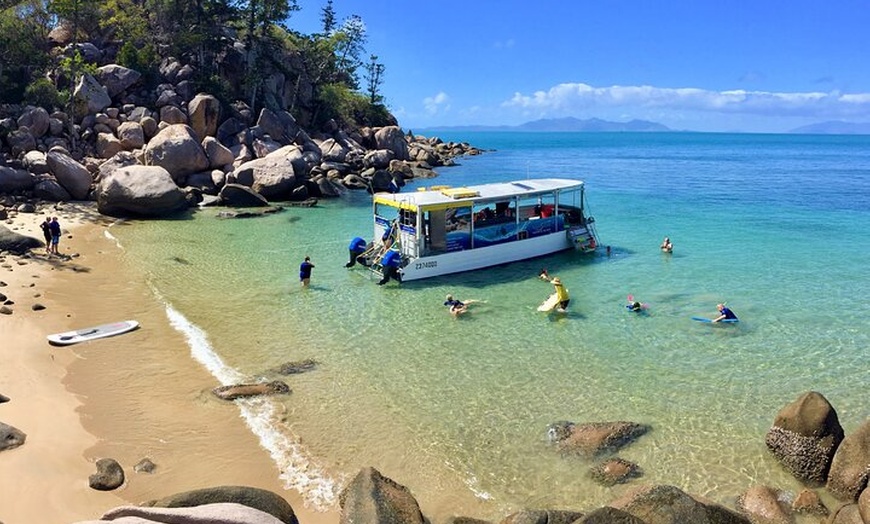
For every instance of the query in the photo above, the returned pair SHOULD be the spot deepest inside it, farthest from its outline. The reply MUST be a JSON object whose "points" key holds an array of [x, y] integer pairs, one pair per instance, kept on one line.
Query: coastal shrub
{"points": [[339, 102], [143, 58], [41, 92]]}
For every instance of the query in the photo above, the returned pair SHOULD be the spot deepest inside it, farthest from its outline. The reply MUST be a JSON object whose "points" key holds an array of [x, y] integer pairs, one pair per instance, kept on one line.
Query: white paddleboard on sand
{"points": [[91, 333], [549, 304]]}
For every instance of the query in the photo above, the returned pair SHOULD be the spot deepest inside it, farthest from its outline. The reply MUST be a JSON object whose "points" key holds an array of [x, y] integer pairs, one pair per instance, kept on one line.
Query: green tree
{"points": [[349, 43], [263, 18], [374, 79], [327, 18], [23, 53]]}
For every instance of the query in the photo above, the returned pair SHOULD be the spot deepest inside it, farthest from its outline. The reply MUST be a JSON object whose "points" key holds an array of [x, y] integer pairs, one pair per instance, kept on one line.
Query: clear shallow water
{"points": [[775, 225]]}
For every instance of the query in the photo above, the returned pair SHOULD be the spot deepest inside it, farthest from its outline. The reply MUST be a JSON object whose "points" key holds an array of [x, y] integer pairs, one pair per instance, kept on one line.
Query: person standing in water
{"points": [[559, 288], [305, 271], [667, 246]]}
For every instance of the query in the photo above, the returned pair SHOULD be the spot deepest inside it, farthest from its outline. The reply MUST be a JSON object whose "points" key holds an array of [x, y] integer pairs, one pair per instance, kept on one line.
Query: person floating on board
{"points": [[456, 307], [724, 314], [667, 246], [561, 292], [633, 305], [305, 271], [356, 248]]}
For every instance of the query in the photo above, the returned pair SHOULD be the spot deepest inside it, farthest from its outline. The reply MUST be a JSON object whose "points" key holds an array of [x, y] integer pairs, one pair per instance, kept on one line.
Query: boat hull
{"points": [[472, 259]]}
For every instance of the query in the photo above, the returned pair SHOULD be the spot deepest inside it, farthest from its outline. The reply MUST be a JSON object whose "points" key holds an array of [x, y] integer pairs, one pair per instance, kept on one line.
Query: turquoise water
{"points": [[778, 226]]}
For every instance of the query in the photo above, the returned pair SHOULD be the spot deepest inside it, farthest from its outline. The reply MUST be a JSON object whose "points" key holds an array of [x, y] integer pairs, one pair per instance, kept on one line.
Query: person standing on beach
{"points": [[305, 271], [46, 232], [54, 227]]}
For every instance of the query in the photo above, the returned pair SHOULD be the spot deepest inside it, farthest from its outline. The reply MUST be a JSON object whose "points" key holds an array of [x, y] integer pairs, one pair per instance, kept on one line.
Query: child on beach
{"points": [[54, 228]]}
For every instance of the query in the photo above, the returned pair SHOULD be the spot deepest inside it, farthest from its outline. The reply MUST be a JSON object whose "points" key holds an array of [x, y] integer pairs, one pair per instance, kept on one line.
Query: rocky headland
{"points": [[151, 152]]}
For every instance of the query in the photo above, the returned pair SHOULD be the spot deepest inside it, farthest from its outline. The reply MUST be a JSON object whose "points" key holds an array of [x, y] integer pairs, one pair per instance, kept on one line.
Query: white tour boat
{"points": [[441, 230]]}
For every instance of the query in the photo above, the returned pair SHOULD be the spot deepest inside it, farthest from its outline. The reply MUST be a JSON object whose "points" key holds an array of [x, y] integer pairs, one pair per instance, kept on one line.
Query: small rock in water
{"points": [[145, 466], [37, 307], [5, 310]]}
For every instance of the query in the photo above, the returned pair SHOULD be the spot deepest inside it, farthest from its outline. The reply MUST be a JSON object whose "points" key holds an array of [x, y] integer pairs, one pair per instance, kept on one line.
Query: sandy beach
{"points": [[130, 397]]}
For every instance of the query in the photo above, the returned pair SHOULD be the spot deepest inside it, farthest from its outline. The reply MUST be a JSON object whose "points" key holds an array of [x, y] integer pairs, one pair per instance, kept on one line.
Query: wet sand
{"points": [[134, 396]]}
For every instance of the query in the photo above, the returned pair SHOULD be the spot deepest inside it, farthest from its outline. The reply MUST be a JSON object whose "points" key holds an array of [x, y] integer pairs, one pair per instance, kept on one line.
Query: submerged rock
{"points": [[594, 438], [233, 392]]}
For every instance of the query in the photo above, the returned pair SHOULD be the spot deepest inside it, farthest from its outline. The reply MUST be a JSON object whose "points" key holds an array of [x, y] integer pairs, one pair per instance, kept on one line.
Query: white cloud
{"points": [[439, 103], [578, 97]]}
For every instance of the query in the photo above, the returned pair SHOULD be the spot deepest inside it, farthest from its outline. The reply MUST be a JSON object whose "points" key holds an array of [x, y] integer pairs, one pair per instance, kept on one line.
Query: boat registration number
{"points": [[423, 265]]}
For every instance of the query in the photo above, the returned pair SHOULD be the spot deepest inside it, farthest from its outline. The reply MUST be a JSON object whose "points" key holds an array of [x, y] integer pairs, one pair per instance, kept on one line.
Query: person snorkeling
{"points": [[458, 307], [634, 305]]}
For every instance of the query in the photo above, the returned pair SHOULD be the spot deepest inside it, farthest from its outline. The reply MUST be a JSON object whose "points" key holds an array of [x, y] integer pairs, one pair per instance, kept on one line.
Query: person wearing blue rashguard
{"points": [[724, 313], [305, 271], [356, 248]]}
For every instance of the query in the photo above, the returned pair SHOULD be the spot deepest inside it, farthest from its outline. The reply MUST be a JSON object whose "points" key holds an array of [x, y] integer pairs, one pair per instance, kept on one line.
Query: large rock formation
{"points": [[762, 504], [256, 498], [663, 504], [177, 150], [16, 242], [371, 497], [73, 176], [850, 469], [139, 191], [804, 437]]}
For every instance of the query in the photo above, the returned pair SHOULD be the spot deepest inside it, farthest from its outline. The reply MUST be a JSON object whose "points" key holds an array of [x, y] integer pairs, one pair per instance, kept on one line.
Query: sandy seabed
{"points": [[134, 396]]}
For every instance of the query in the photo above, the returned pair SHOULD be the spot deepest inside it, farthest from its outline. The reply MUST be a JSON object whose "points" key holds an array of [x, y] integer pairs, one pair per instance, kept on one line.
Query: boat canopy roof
{"points": [[444, 197]]}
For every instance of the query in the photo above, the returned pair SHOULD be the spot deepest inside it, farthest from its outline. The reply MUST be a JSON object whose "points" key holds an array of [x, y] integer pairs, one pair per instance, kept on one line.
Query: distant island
{"points": [[597, 125], [571, 124], [834, 127]]}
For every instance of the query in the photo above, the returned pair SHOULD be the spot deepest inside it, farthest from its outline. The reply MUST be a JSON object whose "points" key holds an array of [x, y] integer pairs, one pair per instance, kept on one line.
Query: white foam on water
{"points": [[113, 238], [298, 471]]}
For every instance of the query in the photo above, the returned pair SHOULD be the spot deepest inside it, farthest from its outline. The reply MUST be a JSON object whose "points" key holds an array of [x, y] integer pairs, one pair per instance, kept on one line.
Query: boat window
{"points": [[534, 208], [386, 213], [571, 206], [458, 226], [537, 216]]}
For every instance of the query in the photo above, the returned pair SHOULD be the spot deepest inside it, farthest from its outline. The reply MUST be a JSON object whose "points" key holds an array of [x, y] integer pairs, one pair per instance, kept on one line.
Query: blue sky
{"points": [[759, 66]]}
